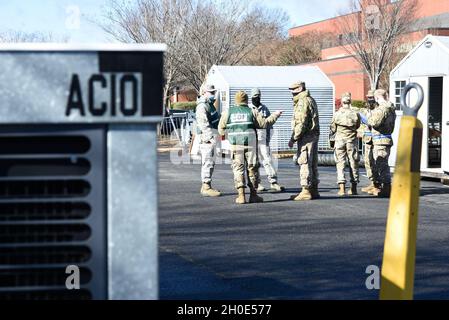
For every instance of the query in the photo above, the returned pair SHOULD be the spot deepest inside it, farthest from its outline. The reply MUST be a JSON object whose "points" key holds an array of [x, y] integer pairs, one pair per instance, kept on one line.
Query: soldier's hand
{"points": [[290, 143], [278, 113]]}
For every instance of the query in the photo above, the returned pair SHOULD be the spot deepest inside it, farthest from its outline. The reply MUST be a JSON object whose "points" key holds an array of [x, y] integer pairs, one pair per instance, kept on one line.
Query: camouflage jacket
{"points": [[263, 134], [260, 121], [305, 119], [364, 131], [345, 123], [205, 115], [382, 120]]}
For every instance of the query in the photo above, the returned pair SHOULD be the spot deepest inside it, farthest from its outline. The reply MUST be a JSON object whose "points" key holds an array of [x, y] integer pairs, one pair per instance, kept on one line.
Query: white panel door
{"points": [[423, 115]]}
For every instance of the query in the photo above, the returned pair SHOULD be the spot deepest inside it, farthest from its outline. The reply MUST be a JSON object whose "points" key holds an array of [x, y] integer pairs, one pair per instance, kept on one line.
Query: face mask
{"points": [[212, 99], [346, 101], [256, 101]]}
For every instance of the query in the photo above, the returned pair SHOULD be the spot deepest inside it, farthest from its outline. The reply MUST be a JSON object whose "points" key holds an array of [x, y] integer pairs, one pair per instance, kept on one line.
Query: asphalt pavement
{"points": [[211, 248]]}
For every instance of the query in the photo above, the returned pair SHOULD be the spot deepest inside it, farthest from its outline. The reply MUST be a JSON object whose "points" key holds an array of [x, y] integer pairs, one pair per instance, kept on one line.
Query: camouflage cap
{"points": [[296, 85], [255, 92], [346, 95], [380, 92], [370, 93], [241, 97], [210, 88]]}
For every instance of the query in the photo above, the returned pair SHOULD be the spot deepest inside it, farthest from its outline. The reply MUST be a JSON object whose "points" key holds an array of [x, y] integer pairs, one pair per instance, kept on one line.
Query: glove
{"points": [[363, 118], [291, 143]]}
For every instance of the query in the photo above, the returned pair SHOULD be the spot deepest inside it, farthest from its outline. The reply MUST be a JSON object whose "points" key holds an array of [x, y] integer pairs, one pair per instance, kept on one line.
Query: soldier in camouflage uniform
{"points": [[263, 144], [365, 134], [306, 132], [207, 119], [344, 125], [240, 123], [382, 120]]}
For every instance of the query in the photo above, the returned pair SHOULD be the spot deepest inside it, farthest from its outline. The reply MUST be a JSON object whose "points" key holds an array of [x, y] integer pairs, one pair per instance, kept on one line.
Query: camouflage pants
{"points": [[207, 161], [244, 159], [347, 150], [308, 161], [381, 153], [369, 161], [267, 162]]}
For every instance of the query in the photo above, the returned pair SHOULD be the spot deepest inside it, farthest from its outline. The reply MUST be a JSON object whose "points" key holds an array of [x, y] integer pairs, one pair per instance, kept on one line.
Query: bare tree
{"points": [[373, 32], [20, 36], [303, 48], [228, 34], [198, 34], [151, 21]]}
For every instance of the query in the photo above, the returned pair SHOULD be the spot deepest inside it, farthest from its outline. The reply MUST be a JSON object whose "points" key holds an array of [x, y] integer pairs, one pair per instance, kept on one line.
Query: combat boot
{"points": [[315, 193], [375, 190], [241, 196], [368, 188], [353, 190], [385, 191], [305, 195], [208, 191], [254, 198], [341, 190], [261, 188], [276, 187]]}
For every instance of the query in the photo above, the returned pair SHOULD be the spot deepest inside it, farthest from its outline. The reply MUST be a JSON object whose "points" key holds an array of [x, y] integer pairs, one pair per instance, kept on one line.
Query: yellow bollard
{"points": [[398, 265]]}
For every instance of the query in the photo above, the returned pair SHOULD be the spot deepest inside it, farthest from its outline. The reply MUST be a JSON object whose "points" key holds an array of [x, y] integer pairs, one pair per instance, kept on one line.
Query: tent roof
{"points": [[272, 76]]}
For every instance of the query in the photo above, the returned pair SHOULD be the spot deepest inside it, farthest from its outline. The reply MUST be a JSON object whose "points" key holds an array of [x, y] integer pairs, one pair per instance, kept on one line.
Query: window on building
{"points": [[398, 88], [223, 96]]}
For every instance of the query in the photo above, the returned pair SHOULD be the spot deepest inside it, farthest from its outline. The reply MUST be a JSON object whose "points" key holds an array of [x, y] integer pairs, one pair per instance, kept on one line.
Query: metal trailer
{"points": [[274, 81], [428, 65], [78, 170]]}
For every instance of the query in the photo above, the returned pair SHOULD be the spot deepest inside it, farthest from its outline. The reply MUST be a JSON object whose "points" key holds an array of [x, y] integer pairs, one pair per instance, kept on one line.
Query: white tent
{"points": [[273, 81], [428, 65]]}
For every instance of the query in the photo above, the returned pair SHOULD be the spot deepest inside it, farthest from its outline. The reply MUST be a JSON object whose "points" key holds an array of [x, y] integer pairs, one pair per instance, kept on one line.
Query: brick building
{"points": [[344, 70]]}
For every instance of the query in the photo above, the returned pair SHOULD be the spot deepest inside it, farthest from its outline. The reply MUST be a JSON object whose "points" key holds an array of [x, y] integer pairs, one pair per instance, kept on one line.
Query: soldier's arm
{"points": [[222, 124], [333, 126], [203, 124], [376, 118], [261, 122], [359, 121], [268, 113], [301, 116]]}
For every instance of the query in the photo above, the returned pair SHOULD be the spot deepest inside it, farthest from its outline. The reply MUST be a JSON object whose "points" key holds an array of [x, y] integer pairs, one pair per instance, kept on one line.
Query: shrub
{"points": [[355, 103], [358, 104], [184, 106]]}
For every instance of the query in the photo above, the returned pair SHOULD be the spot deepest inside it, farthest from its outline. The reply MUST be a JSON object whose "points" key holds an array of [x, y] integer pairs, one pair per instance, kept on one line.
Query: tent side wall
{"points": [[277, 98]]}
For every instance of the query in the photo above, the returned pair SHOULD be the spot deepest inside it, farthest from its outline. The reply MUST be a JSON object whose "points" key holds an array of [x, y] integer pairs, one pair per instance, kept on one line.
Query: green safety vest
{"points": [[240, 126], [213, 117]]}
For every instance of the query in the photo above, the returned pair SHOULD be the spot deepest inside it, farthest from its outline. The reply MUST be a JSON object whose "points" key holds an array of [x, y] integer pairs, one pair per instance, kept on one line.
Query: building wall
{"points": [[343, 69], [429, 8], [426, 8], [329, 25], [184, 96], [347, 75]]}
